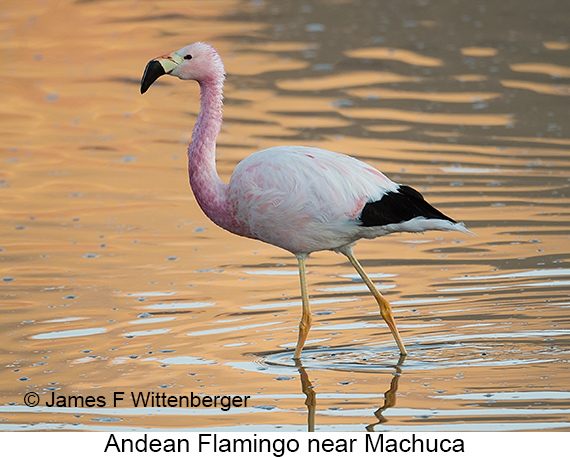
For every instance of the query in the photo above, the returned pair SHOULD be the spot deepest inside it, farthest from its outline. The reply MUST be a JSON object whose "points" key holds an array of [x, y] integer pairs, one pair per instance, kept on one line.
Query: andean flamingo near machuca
{"points": [[299, 198]]}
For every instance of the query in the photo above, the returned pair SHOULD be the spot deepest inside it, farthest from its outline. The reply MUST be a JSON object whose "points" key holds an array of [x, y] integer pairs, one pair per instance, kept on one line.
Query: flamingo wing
{"points": [[304, 199]]}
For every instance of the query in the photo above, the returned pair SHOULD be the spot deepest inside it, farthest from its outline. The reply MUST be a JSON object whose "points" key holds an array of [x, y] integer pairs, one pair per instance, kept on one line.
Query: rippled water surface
{"points": [[113, 280]]}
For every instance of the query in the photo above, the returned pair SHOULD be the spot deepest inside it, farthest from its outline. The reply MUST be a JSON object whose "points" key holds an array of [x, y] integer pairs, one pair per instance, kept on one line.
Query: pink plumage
{"points": [[299, 198]]}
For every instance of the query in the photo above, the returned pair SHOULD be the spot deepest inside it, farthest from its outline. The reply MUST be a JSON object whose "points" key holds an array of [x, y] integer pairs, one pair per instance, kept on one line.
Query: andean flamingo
{"points": [[301, 199]]}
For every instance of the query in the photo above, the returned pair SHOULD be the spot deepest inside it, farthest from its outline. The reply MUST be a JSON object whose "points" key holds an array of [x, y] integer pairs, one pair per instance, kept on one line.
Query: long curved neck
{"points": [[208, 188]]}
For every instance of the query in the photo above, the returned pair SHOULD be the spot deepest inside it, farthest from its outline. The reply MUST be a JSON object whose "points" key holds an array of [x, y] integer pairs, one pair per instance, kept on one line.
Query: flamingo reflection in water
{"points": [[311, 395]]}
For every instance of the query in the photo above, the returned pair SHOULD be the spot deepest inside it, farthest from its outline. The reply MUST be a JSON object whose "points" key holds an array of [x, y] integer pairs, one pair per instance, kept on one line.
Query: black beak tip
{"points": [[152, 72]]}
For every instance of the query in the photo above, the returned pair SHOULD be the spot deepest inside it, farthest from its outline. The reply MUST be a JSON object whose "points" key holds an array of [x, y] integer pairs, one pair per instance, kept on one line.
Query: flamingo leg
{"points": [[385, 309], [305, 324]]}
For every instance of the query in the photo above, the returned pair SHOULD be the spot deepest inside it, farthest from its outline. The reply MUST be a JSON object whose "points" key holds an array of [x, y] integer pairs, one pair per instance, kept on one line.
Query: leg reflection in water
{"points": [[389, 395], [311, 395]]}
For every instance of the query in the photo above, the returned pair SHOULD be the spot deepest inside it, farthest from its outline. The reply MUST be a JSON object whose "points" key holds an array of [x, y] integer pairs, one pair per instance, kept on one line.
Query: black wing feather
{"points": [[400, 206]]}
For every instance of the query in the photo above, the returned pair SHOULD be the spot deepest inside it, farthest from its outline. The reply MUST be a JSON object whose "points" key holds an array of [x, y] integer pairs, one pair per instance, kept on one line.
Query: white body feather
{"points": [[307, 199]]}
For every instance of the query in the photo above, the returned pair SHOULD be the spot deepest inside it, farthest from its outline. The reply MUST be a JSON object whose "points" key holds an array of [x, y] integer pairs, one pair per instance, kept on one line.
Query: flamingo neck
{"points": [[208, 188]]}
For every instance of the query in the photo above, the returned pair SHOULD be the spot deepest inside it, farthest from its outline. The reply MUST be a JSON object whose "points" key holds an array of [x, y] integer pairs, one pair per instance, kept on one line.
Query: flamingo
{"points": [[301, 199]]}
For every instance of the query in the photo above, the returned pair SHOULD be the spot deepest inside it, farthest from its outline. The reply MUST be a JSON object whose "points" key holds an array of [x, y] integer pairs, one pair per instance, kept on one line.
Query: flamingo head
{"points": [[199, 62]]}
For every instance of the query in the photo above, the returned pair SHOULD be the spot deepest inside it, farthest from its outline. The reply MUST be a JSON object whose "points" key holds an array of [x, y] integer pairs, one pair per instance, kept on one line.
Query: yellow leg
{"points": [[305, 324], [385, 309]]}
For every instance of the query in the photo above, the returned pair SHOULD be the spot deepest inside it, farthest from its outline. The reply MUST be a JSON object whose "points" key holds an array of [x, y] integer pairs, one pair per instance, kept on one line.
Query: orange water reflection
{"points": [[113, 280]]}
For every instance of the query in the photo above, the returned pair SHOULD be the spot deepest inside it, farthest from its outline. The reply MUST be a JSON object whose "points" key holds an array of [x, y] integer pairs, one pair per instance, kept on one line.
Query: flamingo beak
{"points": [[162, 65]]}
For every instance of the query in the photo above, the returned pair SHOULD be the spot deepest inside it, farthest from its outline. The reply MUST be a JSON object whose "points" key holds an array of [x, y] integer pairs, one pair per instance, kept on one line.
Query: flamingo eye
{"points": [[187, 57]]}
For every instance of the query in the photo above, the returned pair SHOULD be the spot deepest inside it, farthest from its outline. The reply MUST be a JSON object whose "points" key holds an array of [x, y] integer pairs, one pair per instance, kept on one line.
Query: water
{"points": [[114, 281]]}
